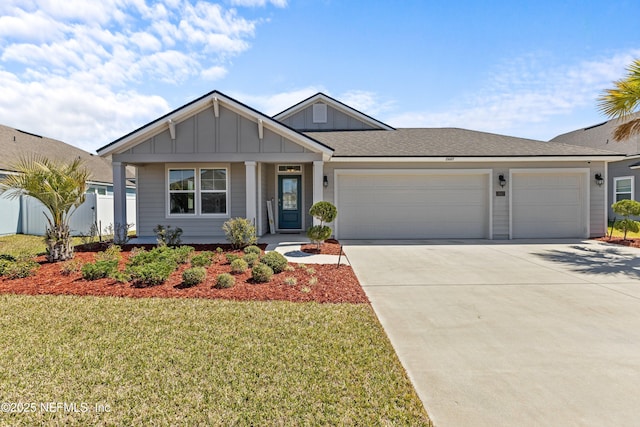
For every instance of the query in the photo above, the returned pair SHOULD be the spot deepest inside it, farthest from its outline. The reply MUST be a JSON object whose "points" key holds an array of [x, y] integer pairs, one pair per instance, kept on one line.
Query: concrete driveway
{"points": [[511, 333]]}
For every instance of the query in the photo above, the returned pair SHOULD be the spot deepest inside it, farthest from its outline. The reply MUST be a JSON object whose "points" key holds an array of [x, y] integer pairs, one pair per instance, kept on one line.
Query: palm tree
{"points": [[622, 101], [60, 187]]}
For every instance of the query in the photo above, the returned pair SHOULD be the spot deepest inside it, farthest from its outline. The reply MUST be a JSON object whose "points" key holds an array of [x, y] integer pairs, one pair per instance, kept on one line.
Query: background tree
{"points": [[60, 187], [622, 101]]}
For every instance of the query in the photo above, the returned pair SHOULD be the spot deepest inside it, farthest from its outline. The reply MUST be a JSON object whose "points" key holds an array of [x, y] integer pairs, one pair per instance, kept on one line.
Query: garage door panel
{"points": [[548, 205], [412, 206]]}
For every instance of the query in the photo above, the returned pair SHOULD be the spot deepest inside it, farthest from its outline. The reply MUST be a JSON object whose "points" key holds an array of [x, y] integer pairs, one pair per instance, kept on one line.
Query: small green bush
{"points": [[239, 266], [231, 257], [194, 275], [7, 257], [20, 269], [251, 259], [261, 273], [112, 253], [153, 273], [275, 260], [4, 263], [70, 267], [291, 281], [99, 269], [319, 233], [183, 253], [157, 254], [203, 259], [225, 280], [240, 232], [253, 249], [167, 236]]}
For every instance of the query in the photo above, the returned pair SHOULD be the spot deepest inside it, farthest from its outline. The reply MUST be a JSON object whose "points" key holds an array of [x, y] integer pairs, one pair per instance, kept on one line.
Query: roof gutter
{"points": [[463, 159]]}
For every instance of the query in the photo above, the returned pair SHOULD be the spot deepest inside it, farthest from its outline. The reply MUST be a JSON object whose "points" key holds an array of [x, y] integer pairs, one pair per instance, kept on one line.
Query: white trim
{"points": [[196, 167], [615, 188], [250, 192], [487, 172], [586, 173], [202, 104], [452, 160]]}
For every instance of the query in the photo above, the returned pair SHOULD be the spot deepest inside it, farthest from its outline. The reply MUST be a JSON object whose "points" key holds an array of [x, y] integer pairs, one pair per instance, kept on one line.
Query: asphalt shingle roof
{"points": [[15, 144], [443, 142]]}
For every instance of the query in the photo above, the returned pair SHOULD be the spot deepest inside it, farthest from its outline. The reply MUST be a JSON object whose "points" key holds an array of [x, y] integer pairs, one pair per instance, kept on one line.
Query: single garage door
{"points": [[412, 206], [548, 205]]}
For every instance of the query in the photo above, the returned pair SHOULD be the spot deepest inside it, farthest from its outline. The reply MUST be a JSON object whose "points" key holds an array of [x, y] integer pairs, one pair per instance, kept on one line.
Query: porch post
{"points": [[318, 189], [251, 191], [119, 193]]}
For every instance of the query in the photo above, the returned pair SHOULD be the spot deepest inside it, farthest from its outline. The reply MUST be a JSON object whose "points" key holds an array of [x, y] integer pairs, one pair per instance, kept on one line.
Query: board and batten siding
{"points": [[230, 133], [152, 205], [500, 204], [336, 120]]}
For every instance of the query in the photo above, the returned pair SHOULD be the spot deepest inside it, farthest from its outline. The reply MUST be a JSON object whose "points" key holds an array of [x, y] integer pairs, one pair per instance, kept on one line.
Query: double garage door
{"points": [[446, 204]]}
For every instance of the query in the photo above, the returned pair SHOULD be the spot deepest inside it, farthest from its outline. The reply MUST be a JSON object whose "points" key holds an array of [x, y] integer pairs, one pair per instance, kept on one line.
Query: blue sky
{"points": [[87, 72]]}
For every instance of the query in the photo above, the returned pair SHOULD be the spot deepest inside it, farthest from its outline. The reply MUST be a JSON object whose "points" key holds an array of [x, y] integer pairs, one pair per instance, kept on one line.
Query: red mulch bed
{"points": [[329, 247], [634, 243], [334, 284]]}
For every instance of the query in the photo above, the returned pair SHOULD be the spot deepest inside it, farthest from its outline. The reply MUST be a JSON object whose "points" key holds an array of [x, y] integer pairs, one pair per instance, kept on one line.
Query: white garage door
{"points": [[412, 206], [548, 205]]}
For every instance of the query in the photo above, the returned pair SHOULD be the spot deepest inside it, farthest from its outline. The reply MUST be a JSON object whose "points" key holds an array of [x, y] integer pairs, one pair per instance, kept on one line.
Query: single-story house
{"points": [[16, 144], [216, 158], [622, 175]]}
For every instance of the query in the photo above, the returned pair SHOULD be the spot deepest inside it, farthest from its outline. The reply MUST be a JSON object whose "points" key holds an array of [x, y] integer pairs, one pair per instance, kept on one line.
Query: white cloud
{"points": [[77, 70], [259, 3], [524, 92]]}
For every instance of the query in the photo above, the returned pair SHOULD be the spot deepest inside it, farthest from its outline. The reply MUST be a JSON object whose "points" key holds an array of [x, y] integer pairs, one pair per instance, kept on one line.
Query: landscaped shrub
{"points": [[225, 280], [112, 253], [231, 257], [151, 274], [627, 208], [21, 268], [253, 249], [183, 253], [240, 232], [319, 233], [324, 212], [261, 273], [157, 254], [167, 236], [291, 281], [99, 269], [194, 275], [239, 266], [251, 259], [275, 260], [70, 267], [203, 259]]}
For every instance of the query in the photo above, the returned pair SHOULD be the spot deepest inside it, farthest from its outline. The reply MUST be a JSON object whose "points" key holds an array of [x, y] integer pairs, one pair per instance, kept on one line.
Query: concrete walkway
{"points": [[511, 333]]}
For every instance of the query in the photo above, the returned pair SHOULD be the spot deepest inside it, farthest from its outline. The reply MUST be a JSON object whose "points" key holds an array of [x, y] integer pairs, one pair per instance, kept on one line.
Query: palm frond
{"points": [[626, 130]]}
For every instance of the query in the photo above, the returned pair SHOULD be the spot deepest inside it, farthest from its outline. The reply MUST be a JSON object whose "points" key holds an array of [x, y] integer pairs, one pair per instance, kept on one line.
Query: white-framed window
{"points": [[198, 191], [623, 188], [290, 169]]}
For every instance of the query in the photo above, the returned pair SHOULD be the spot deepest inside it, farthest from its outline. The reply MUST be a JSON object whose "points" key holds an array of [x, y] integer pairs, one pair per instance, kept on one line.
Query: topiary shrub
{"points": [[240, 232], [239, 266], [203, 259], [225, 280], [194, 275], [275, 260], [99, 269], [251, 259], [261, 273], [253, 249], [324, 212], [626, 208]]}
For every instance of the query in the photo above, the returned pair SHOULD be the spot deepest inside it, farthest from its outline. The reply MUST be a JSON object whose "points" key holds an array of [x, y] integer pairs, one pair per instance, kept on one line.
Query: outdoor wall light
{"points": [[501, 180], [599, 179], [325, 181]]}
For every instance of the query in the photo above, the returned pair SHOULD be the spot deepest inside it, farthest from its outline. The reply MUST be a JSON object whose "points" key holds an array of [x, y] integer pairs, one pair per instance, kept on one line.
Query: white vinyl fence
{"points": [[96, 209]]}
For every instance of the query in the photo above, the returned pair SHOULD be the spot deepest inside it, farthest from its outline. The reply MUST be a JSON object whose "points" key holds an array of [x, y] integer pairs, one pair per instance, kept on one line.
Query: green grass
{"points": [[201, 362], [19, 244]]}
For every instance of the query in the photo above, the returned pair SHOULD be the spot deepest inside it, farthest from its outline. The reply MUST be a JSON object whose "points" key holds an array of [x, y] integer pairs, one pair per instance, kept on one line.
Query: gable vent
{"points": [[319, 113]]}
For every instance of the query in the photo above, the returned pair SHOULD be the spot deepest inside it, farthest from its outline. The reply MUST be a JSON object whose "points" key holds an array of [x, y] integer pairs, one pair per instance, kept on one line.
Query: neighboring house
{"points": [[216, 158], [14, 213], [621, 176]]}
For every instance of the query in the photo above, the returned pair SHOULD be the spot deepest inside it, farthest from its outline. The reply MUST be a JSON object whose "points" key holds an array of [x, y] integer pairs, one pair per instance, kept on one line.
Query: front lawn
{"points": [[199, 362]]}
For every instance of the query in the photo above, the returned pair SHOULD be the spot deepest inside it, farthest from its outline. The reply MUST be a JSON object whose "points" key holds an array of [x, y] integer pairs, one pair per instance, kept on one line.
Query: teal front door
{"points": [[289, 202]]}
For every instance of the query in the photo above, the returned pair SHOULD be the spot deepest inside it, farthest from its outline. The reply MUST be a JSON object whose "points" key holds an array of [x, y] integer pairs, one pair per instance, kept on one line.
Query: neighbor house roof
{"points": [[445, 142], [601, 136], [15, 144]]}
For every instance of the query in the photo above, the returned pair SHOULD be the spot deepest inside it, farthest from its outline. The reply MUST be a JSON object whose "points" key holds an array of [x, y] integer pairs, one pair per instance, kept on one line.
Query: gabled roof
{"points": [[321, 97], [210, 100], [601, 136], [445, 142], [15, 144]]}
